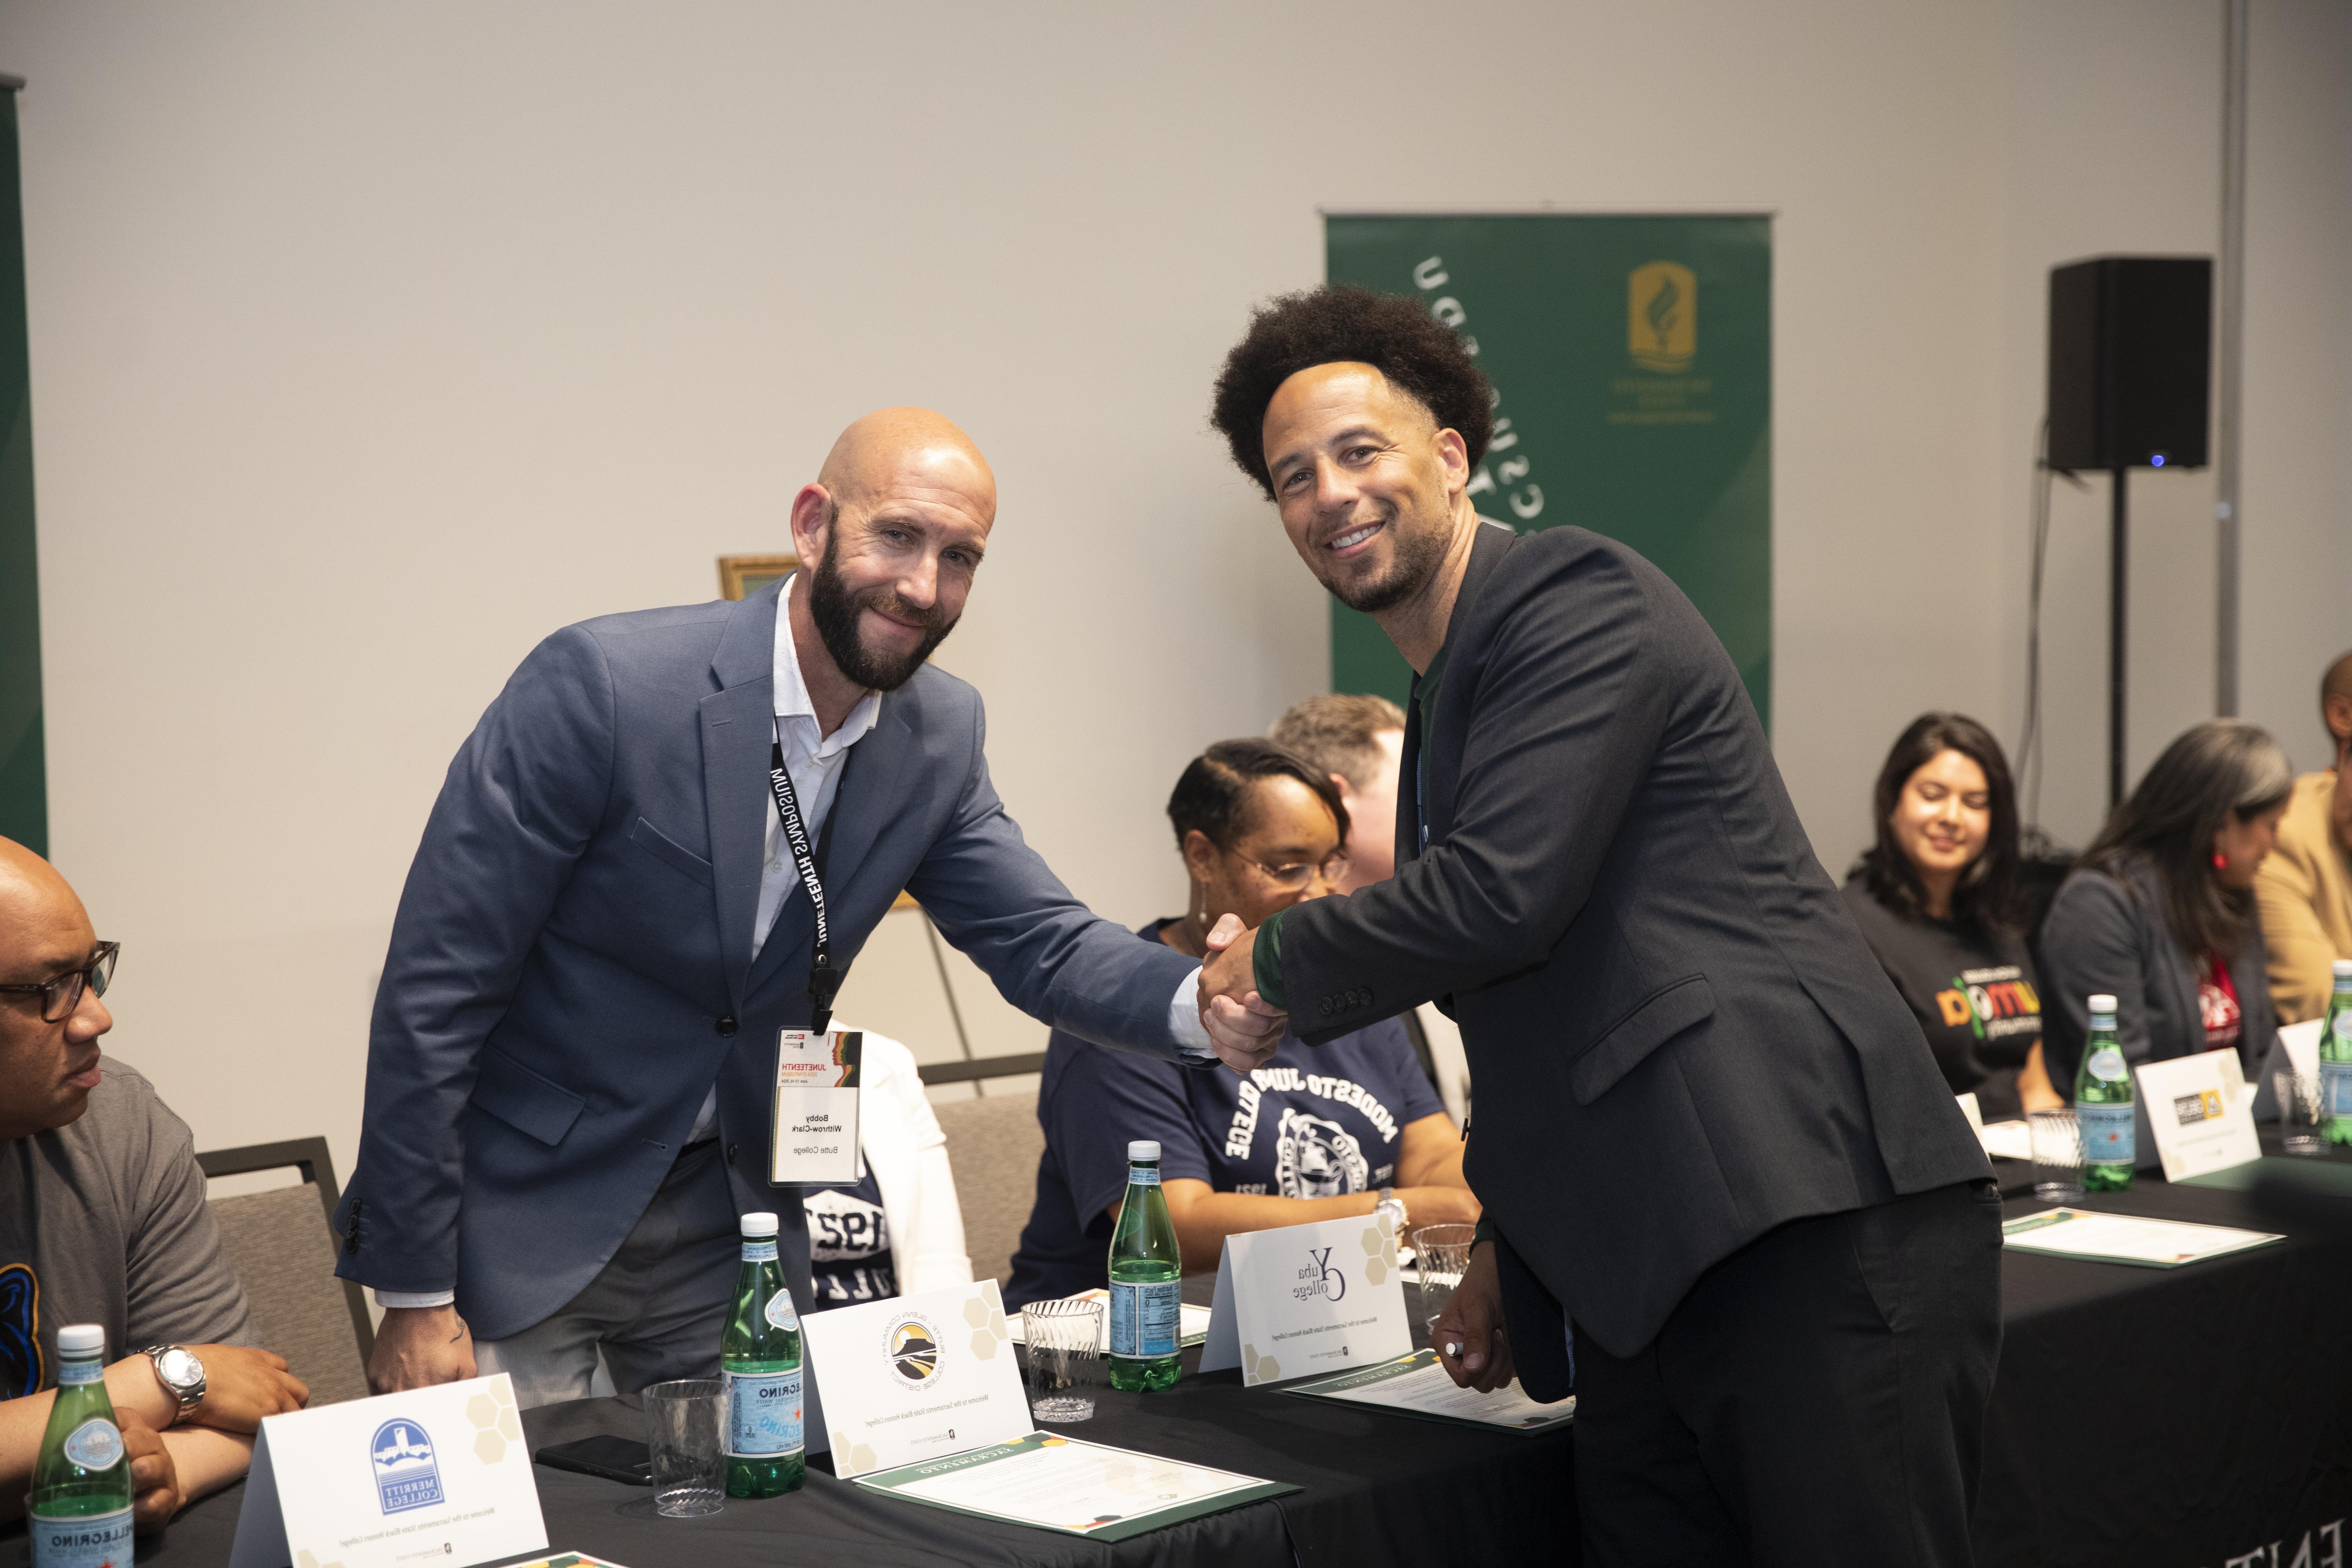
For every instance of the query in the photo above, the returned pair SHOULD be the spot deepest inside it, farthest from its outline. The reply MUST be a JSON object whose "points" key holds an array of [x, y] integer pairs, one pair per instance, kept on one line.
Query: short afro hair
{"points": [[1421, 357]]}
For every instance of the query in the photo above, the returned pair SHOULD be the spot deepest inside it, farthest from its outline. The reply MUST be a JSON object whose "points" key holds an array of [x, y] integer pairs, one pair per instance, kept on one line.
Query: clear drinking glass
{"points": [[1441, 1255], [2303, 1126], [684, 1423], [1064, 1347], [2057, 1156]]}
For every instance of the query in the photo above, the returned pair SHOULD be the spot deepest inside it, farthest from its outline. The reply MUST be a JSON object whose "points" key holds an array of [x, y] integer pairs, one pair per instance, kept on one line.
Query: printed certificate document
{"points": [[1062, 1484], [1416, 1385], [2122, 1238]]}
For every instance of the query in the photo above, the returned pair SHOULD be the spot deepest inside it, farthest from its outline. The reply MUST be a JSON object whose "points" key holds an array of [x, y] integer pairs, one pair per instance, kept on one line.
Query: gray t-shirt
{"points": [[103, 1221]]}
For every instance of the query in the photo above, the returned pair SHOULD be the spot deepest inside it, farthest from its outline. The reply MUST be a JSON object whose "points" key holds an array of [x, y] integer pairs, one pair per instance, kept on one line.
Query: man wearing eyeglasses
{"points": [[102, 1220]]}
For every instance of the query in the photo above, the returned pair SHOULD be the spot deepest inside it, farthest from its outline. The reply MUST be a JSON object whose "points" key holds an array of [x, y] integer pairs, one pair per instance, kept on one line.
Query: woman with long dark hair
{"points": [[1935, 898], [2159, 911]]}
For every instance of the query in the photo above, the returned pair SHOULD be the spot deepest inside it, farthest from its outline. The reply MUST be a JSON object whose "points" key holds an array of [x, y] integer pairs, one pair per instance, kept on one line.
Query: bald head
{"points": [[32, 895], [908, 452], [48, 1066], [2335, 698]]}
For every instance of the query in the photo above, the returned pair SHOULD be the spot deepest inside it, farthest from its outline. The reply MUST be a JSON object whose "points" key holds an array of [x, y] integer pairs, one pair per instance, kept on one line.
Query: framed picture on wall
{"points": [[741, 577]]}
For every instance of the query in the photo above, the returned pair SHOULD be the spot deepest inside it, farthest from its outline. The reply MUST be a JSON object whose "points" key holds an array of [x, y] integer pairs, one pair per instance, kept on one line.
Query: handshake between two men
{"points": [[1245, 1030]]}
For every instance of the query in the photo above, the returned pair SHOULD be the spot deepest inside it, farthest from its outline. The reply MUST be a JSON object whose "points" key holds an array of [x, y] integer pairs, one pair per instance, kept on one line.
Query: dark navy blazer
{"points": [[570, 968]]}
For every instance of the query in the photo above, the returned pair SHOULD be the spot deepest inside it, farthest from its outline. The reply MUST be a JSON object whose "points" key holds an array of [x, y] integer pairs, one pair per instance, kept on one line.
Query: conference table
{"points": [[2182, 1418]]}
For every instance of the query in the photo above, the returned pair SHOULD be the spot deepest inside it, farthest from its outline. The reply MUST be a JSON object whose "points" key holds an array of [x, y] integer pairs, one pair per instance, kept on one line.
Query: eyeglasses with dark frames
{"points": [[61, 996]]}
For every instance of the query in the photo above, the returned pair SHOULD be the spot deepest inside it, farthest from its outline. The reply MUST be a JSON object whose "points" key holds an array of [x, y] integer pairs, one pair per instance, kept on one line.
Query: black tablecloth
{"points": [[1377, 1489], [2179, 1418], [2171, 1418]]}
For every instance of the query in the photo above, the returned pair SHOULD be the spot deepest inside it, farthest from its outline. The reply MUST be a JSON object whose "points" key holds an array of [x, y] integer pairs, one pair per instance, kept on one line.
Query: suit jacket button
{"points": [[730, 1153], [727, 1028]]}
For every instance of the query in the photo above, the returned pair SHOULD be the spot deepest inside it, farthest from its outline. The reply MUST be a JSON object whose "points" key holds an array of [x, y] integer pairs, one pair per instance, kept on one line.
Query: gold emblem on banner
{"points": [[1662, 316]]}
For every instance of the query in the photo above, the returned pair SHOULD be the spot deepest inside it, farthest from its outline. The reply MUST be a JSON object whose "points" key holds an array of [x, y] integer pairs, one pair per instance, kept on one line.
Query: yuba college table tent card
{"points": [[1308, 1297], [915, 1377], [1415, 1384], [383, 1483], [2199, 1120], [1051, 1482]]}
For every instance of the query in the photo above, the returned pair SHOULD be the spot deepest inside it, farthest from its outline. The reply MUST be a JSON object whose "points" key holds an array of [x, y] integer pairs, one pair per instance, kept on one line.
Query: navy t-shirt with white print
{"points": [[849, 1245], [1316, 1121]]}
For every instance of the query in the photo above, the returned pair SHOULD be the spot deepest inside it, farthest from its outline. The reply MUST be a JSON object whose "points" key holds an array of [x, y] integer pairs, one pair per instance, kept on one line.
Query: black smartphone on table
{"points": [[619, 1459]]}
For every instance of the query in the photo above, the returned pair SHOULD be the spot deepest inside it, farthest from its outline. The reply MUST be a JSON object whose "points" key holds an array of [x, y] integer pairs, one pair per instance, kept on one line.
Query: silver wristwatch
{"points": [[1393, 1206], [178, 1369]]}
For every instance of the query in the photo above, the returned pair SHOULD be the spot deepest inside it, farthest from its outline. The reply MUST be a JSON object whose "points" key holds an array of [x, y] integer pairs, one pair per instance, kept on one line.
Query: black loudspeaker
{"points": [[2130, 361]]}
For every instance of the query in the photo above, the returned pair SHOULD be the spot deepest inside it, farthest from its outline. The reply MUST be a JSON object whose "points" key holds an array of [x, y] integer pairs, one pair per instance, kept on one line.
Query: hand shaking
{"points": [[1244, 1027]]}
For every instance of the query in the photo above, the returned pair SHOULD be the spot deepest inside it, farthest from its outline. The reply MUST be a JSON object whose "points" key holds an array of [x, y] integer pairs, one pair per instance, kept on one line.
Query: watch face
{"points": [[179, 1368]]}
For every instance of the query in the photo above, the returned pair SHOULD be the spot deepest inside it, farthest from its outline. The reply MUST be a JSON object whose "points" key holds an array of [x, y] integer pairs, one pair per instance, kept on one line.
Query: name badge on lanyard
{"points": [[814, 1141], [816, 1108]]}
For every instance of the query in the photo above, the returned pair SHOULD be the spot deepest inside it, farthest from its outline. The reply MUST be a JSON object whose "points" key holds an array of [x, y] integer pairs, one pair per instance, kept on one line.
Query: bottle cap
{"points": [[1143, 1149], [82, 1339], [2103, 1004], [760, 1224], [2343, 967]]}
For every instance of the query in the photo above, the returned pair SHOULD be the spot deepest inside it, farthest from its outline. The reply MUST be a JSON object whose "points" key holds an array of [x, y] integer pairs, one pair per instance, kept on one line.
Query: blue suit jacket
{"points": [[570, 967]]}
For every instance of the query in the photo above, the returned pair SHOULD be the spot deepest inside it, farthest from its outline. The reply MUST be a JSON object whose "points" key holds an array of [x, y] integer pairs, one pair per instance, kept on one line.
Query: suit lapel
{"points": [[738, 722], [1492, 542], [874, 772]]}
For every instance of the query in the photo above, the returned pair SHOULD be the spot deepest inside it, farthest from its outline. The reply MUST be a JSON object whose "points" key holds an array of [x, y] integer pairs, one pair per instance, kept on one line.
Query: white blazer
{"points": [[902, 1144]]}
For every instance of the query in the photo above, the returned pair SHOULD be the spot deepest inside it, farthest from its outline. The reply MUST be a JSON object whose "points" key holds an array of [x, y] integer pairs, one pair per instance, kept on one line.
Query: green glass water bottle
{"points": [[1146, 1293], [2335, 1057], [2102, 1105], [760, 1358], [79, 1507]]}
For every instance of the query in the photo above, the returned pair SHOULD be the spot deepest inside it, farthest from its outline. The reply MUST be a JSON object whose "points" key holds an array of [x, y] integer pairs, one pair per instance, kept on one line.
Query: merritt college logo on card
{"points": [[913, 1347], [405, 1474]]}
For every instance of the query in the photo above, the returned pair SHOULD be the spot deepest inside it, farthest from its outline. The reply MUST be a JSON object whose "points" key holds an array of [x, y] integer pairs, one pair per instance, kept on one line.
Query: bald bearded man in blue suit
{"points": [[573, 1048]]}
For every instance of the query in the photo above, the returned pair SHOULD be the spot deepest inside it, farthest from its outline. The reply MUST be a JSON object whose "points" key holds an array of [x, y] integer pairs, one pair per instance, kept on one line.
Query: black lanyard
{"points": [[824, 980]]}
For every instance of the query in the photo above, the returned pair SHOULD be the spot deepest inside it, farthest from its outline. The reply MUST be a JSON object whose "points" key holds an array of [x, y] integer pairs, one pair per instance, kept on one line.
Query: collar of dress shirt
{"points": [[793, 700]]}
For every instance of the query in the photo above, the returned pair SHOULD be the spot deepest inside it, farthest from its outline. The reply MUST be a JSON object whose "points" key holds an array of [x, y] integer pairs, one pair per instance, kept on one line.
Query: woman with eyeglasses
{"points": [[1317, 1133]]}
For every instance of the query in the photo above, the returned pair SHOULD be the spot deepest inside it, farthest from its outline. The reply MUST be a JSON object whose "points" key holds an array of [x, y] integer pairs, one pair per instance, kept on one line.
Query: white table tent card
{"points": [[2199, 1121], [916, 1377], [1314, 1297], [382, 1482]]}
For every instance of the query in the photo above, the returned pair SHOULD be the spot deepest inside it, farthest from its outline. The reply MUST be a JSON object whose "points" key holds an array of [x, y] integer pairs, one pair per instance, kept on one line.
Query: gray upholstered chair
{"points": [[282, 1247], [993, 1144]]}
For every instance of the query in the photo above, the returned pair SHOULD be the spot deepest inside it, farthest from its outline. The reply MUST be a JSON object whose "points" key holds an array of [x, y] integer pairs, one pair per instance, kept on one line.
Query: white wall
{"points": [[370, 343]]}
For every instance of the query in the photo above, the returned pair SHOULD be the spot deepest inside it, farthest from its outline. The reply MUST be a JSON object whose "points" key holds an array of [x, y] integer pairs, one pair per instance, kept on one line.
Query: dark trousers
{"points": [[1818, 1398]]}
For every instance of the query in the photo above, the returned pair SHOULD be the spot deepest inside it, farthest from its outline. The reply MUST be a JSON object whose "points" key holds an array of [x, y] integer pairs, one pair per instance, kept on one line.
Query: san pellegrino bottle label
{"points": [[95, 1444], [1143, 1175], [2335, 1088], [764, 1413], [95, 1540], [1145, 1319], [2108, 1136], [75, 1371], [759, 1249], [779, 1311], [2107, 1065]]}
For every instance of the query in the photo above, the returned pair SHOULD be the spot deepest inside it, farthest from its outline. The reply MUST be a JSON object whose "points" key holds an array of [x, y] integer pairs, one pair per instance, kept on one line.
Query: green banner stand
{"points": [[24, 781], [1633, 359]]}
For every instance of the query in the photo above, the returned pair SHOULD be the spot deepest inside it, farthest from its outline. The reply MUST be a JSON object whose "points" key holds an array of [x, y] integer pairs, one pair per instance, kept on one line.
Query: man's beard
{"points": [[835, 610], [1416, 558]]}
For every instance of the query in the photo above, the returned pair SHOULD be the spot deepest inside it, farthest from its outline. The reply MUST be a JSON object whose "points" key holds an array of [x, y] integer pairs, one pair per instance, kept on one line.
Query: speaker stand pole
{"points": [[2118, 580]]}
